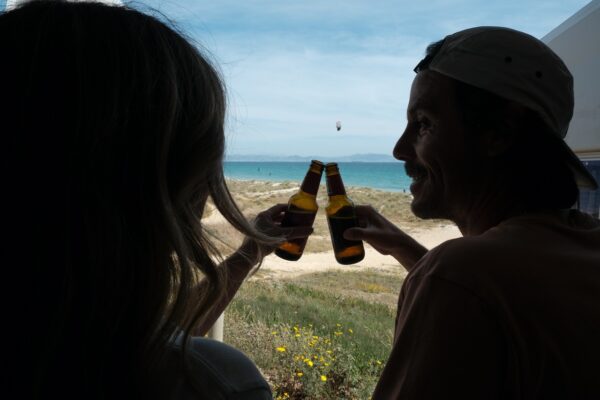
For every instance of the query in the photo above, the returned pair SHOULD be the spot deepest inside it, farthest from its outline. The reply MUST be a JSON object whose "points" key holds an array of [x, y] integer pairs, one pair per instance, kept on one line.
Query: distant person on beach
{"points": [[112, 127], [512, 309]]}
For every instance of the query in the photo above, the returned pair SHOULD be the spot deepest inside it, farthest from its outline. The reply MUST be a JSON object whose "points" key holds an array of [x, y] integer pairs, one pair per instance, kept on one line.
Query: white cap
{"points": [[517, 67]]}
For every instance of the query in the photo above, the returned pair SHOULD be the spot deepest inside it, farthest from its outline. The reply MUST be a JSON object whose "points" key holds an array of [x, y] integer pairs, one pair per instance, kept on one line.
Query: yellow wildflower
{"points": [[350, 330], [309, 363], [280, 349], [323, 378], [299, 374]]}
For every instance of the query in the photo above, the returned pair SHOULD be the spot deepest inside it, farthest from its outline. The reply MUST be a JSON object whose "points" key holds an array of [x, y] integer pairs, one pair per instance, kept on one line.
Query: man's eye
{"points": [[423, 124]]}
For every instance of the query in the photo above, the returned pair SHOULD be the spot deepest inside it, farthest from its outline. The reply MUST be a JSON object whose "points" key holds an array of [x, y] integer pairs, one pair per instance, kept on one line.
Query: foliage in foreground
{"points": [[310, 342], [313, 366]]}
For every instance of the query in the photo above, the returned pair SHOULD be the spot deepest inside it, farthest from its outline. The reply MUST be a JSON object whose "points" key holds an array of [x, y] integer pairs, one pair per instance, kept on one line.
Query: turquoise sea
{"points": [[377, 175]]}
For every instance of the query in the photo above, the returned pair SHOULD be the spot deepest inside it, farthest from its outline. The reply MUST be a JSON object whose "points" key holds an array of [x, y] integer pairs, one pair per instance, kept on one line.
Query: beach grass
{"points": [[341, 321], [318, 335], [370, 285]]}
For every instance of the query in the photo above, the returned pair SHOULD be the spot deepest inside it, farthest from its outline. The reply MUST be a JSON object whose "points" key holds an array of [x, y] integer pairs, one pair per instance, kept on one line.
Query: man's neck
{"points": [[485, 214]]}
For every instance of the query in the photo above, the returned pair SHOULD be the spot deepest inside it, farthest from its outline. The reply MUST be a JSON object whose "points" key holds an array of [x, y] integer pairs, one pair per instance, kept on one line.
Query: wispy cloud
{"points": [[294, 68]]}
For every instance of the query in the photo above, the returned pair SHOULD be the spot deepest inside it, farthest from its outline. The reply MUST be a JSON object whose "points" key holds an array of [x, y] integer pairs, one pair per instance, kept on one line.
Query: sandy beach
{"points": [[254, 196], [274, 267]]}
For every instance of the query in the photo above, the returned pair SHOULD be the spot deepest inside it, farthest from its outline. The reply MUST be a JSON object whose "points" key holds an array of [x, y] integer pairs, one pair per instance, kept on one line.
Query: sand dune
{"points": [[275, 267]]}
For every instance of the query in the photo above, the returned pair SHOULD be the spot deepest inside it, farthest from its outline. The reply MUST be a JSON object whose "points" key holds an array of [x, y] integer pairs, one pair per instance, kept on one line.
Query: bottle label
{"points": [[298, 218], [337, 226]]}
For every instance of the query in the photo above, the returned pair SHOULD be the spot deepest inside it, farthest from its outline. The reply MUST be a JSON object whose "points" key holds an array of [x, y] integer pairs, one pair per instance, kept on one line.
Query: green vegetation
{"points": [[320, 336], [370, 285]]}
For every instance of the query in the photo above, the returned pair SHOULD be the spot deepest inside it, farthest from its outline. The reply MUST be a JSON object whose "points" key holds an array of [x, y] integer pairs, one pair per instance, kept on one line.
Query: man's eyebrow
{"points": [[419, 105]]}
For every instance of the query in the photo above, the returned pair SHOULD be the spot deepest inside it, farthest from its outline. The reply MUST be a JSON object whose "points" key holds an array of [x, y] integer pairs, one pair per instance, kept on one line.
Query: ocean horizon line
{"points": [[360, 157], [375, 175], [302, 161]]}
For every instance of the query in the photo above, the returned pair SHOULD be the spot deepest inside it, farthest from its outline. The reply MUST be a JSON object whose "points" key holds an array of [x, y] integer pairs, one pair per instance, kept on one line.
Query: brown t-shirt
{"points": [[513, 313]]}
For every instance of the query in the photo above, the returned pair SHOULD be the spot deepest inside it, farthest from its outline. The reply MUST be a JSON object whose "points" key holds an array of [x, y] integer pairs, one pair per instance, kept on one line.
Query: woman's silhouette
{"points": [[112, 127]]}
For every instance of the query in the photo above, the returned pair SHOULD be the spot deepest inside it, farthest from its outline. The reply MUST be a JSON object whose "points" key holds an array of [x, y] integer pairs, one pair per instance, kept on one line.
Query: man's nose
{"points": [[403, 149]]}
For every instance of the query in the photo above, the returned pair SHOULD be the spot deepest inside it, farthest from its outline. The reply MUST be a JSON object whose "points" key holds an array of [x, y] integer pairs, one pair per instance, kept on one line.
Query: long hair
{"points": [[112, 126]]}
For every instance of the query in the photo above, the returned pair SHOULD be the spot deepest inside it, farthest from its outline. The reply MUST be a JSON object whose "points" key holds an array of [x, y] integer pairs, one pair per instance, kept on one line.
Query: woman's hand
{"points": [[385, 237], [268, 222], [239, 265]]}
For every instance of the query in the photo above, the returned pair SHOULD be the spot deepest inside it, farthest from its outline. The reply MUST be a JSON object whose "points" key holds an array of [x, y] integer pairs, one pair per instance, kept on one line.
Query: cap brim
{"points": [[583, 177]]}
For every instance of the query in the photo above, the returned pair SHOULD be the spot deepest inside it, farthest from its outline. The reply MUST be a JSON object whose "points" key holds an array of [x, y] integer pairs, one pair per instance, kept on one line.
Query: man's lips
{"points": [[415, 171]]}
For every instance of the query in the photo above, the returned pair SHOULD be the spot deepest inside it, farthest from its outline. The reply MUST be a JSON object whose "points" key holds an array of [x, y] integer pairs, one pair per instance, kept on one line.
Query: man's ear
{"points": [[501, 138], [497, 141]]}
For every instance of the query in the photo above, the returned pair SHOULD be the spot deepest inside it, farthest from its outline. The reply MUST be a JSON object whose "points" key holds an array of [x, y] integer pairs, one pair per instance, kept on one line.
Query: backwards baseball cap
{"points": [[517, 67]]}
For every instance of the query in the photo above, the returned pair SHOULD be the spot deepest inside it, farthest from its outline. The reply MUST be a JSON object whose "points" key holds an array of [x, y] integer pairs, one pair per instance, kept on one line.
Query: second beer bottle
{"points": [[341, 216], [301, 211]]}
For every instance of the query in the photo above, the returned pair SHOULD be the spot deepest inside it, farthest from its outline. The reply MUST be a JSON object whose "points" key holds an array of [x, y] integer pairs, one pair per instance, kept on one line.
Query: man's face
{"points": [[435, 150]]}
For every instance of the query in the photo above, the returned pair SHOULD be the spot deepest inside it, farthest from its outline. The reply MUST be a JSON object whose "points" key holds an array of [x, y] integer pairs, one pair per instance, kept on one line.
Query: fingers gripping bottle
{"points": [[341, 216], [301, 211]]}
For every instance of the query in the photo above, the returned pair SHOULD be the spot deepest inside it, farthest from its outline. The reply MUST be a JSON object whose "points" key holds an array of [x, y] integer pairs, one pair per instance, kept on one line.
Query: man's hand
{"points": [[385, 237], [268, 222]]}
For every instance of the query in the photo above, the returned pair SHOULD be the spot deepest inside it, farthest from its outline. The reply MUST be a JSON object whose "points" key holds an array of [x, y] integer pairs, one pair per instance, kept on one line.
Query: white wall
{"points": [[577, 42]]}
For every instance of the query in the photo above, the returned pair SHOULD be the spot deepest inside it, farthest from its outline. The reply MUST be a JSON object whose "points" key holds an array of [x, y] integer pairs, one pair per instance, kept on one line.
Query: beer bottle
{"points": [[301, 211], [341, 216]]}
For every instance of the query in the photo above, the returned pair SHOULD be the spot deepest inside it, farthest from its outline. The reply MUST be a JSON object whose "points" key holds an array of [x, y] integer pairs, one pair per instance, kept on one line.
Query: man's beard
{"points": [[427, 203], [428, 208]]}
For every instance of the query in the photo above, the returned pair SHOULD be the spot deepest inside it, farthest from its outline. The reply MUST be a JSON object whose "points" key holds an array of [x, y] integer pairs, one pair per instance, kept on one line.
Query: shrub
{"points": [[318, 367]]}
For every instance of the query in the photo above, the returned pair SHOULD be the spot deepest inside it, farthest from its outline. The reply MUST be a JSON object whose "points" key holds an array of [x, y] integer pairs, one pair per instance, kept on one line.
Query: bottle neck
{"points": [[335, 186], [311, 181]]}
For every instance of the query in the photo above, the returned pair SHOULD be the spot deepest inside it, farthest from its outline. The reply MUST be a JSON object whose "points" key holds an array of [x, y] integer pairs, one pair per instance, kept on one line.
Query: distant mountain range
{"points": [[274, 158]]}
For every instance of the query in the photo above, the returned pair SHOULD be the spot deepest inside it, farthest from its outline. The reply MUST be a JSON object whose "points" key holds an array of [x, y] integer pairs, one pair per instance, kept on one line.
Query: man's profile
{"points": [[511, 309]]}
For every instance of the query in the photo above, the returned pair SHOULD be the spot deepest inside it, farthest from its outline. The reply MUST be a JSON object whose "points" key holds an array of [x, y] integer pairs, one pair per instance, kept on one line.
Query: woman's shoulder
{"points": [[215, 371]]}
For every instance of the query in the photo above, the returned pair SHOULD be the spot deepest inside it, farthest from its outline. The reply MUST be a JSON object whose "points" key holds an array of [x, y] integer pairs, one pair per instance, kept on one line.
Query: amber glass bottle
{"points": [[341, 216], [301, 211]]}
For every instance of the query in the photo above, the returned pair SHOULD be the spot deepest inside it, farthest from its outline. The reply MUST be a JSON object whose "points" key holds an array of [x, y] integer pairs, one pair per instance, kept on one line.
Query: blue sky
{"points": [[293, 68]]}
